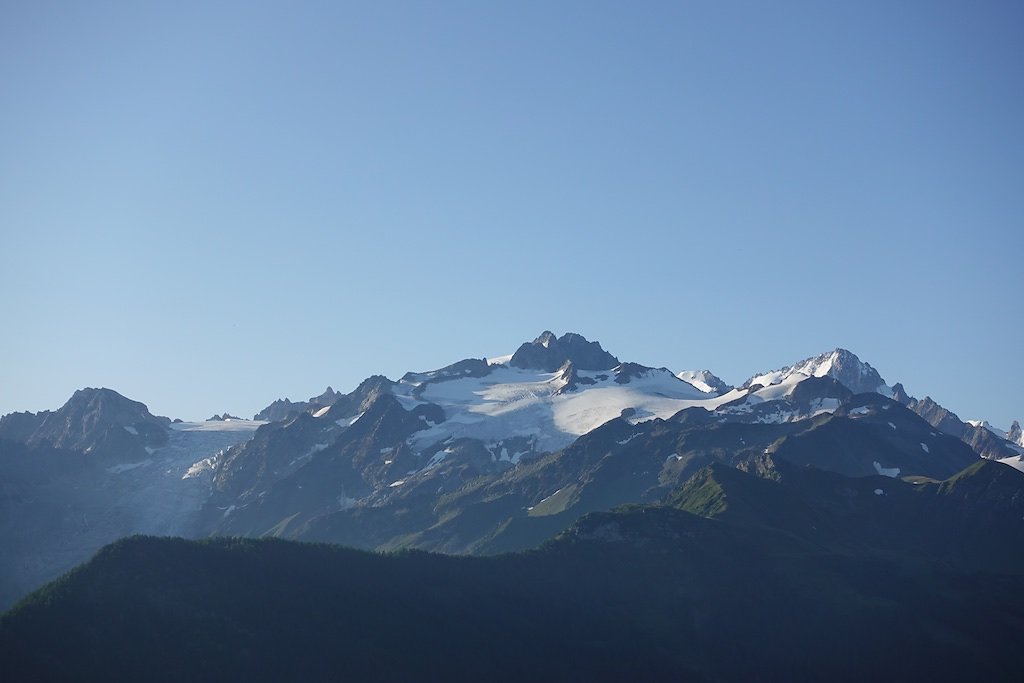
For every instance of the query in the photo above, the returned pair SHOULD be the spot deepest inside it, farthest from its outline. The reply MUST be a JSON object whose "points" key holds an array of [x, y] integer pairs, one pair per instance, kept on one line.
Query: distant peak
{"points": [[549, 353], [1015, 434], [546, 339], [103, 399], [704, 380], [325, 399], [88, 393], [841, 364]]}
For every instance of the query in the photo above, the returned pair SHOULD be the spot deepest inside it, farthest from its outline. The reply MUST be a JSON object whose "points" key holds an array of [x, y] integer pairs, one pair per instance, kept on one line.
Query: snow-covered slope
{"points": [[520, 402], [515, 410], [1016, 462], [704, 380], [840, 364], [554, 389]]}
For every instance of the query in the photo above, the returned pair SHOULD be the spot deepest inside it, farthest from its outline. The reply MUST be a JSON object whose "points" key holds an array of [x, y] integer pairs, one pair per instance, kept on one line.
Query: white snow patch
{"points": [[824, 405], [348, 421], [924, 447], [548, 497], [1014, 461], [437, 459], [512, 402], [218, 426], [781, 388], [132, 430], [892, 425], [396, 483], [322, 411], [863, 410], [698, 379], [204, 465], [879, 492], [500, 360], [887, 471]]}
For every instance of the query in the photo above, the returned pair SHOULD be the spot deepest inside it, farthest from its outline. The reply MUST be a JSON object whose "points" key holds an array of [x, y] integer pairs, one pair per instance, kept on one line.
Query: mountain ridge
{"points": [[479, 456]]}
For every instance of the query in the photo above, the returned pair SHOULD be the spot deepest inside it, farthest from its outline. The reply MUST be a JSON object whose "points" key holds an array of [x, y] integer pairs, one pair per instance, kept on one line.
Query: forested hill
{"points": [[639, 593]]}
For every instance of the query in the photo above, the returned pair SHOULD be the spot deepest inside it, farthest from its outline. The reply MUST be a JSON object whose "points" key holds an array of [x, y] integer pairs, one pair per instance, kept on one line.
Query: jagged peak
{"points": [[839, 363], [548, 353], [900, 395], [545, 338], [326, 398], [1015, 434]]}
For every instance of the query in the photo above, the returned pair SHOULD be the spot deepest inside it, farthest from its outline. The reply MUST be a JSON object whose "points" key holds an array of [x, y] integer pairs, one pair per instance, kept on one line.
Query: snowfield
{"points": [[512, 402]]}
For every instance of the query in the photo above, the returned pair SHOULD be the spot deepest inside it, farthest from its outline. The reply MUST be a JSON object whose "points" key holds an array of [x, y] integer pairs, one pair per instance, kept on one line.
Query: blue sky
{"points": [[207, 206]]}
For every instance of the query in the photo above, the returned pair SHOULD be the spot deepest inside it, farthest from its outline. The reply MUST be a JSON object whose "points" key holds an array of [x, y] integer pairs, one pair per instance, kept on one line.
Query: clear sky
{"points": [[207, 206]]}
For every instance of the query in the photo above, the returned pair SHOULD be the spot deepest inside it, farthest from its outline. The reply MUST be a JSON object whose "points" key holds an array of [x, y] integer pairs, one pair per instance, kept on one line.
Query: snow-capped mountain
{"points": [[858, 376], [555, 389], [704, 380], [480, 455], [526, 420], [548, 409], [840, 364]]}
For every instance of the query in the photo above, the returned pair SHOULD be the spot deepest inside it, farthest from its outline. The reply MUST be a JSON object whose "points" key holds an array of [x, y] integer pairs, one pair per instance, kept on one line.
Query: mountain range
{"points": [[482, 455], [815, 464]]}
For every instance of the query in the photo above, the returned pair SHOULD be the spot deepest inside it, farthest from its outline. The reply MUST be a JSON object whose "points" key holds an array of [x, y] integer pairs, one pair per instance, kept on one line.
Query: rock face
{"points": [[327, 398], [853, 373], [548, 353], [99, 468], [937, 416], [92, 420], [283, 409], [842, 365], [900, 394], [222, 418], [1015, 434], [984, 442]]}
